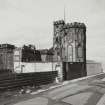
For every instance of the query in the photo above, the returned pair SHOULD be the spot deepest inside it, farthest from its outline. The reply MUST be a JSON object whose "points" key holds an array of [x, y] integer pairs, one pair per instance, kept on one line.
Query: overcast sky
{"points": [[31, 21]]}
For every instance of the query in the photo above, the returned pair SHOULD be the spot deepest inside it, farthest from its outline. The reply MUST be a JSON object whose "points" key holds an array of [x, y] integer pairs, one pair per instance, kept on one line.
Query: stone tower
{"points": [[69, 43], [57, 39], [74, 43]]}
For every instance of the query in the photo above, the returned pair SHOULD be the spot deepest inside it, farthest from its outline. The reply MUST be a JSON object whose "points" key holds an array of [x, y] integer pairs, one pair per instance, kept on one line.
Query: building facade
{"points": [[23, 65], [69, 43], [6, 57]]}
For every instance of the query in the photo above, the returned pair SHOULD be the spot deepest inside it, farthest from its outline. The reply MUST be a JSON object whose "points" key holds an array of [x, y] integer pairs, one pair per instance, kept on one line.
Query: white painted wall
{"points": [[94, 68], [32, 67], [23, 67]]}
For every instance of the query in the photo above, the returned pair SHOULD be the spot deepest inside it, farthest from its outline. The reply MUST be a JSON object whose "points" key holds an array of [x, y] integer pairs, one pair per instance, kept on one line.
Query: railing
{"points": [[27, 79]]}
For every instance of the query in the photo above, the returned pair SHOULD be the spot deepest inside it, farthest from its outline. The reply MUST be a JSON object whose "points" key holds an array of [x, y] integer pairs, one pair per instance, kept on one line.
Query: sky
{"points": [[31, 22]]}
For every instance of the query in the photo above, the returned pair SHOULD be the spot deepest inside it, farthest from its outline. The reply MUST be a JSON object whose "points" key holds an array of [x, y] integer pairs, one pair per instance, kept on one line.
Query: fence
{"points": [[27, 79]]}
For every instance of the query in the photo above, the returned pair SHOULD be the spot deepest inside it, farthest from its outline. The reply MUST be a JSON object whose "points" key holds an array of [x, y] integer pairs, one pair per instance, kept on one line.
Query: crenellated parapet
{"points": [[59, 22], [75, 25]]}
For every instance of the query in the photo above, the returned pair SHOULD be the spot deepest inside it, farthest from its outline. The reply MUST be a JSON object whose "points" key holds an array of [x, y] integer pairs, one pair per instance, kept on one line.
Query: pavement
{"points": [[84, 91]]}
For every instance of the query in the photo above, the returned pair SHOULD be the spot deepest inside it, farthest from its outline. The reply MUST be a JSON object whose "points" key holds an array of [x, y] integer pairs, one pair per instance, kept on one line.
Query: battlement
{"points": [[75, 25], [59, 22], [69, 25]]}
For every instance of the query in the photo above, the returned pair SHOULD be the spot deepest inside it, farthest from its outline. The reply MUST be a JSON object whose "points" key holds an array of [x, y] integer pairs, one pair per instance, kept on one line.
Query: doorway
{"points": [[73, 70]]}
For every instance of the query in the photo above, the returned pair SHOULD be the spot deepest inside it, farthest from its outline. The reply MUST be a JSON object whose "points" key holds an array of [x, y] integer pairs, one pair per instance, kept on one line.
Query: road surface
{"points": [[89, 91]]}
